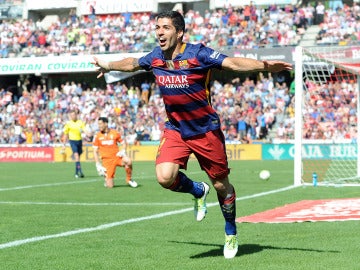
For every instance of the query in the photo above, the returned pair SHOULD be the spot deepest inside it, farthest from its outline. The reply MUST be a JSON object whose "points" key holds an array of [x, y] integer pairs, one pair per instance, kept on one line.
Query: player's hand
{"points": [[101, 66], [100, 169], [121, 153], [277, 66]]}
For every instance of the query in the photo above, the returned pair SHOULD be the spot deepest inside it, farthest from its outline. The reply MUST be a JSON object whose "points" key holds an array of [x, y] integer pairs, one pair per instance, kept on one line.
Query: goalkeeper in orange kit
{"points": [[108, 156]]}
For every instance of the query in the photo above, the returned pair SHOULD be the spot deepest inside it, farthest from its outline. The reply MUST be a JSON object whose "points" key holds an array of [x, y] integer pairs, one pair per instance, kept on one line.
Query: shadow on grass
{"points": [[246, 249], [126, 186]]}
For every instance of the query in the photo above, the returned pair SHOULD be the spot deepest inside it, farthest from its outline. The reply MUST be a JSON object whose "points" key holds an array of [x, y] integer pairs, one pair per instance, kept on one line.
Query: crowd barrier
{"points": [[235, 151], [136, 152]]}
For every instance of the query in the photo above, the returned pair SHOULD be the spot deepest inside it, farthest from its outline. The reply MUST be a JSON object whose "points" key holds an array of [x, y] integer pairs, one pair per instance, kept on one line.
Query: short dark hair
{"points": [[76, 111], [176, 17], [104, 119]]}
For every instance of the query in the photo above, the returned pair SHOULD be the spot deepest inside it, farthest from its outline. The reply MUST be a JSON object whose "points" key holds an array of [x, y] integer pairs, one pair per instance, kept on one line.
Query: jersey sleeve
{"points": [[96, 141], [210, 58], [66, 129], [146, 61]]}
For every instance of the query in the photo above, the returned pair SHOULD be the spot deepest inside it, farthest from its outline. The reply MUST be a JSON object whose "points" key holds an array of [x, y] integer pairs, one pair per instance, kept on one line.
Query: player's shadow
{"points": [[245, 249], [120, 185], [125, 186]]}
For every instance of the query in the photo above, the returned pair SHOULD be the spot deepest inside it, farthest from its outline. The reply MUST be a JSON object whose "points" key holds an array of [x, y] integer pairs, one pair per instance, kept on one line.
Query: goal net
{"points": [[326, 137]]}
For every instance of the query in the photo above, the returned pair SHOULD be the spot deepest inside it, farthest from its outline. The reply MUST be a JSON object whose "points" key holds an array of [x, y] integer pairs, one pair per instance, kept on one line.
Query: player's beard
{"points": [[169, 48]]}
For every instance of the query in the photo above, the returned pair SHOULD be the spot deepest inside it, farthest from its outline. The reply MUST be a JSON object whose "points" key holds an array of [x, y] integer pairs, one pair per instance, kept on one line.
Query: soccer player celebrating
{"points": [[182, 71], [73, 130], [106, 148]]}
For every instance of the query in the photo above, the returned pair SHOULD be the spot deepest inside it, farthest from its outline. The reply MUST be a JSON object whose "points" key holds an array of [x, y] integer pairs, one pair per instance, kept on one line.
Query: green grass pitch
{"points": [[50, 220]]}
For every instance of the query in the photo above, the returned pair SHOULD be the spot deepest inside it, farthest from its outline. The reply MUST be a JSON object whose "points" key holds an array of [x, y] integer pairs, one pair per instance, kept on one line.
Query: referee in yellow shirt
{"points": [[73, 133]]}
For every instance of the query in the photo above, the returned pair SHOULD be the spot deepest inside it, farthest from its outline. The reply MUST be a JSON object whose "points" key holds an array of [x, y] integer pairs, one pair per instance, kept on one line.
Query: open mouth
{"points": [[162, 42]]}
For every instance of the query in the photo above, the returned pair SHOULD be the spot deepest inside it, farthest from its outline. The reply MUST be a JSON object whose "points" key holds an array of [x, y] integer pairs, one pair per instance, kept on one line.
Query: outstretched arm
{"points": [[129, 64], [241, 64]]}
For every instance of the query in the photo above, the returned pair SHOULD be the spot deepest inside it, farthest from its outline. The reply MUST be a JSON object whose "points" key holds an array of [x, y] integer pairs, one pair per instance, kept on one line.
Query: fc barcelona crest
{"points": [[183, 64]]}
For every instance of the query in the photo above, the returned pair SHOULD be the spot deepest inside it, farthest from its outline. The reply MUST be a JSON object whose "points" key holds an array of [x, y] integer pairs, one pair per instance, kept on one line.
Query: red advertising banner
{"points": [[346, 57], [309, 210], [26, 154]]}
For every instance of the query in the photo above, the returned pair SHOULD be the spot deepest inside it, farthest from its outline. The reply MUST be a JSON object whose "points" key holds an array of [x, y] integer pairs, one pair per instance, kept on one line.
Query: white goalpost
{"points": [[327, 115]]}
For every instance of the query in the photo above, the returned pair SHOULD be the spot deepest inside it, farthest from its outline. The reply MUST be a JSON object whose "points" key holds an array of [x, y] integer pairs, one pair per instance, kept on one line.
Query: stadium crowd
{"points": [[250, 110], [340, 26], [240, 27]]}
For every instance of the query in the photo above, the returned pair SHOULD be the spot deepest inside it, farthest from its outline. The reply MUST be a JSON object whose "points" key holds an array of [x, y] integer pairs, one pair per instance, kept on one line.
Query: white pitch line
{"points": [[66, 183], [96, 204], [265, 193], [119, 223], [50, 185], [85, 230], [139, 204]]}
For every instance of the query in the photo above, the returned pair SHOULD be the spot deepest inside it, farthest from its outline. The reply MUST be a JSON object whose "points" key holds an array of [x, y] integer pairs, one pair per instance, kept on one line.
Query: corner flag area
{"points": [[309, 210]]}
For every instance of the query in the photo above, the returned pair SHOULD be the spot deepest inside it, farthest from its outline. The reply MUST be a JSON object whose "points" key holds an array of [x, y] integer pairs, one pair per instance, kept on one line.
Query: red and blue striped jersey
{"points": [[184, 86]]}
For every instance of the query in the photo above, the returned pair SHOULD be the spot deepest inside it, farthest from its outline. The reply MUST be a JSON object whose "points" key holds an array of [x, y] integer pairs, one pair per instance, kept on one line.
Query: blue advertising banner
{"points": [[310, 151], [277, 151]]}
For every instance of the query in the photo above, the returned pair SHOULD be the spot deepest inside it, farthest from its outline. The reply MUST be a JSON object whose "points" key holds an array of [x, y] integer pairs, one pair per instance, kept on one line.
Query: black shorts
{"points": [[76, 146]]}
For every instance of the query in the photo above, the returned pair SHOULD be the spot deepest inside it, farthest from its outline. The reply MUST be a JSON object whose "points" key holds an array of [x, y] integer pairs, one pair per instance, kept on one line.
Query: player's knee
{"points": [[223, 187], [109, 183], [127, 161], [165, 179], [166, 174]]}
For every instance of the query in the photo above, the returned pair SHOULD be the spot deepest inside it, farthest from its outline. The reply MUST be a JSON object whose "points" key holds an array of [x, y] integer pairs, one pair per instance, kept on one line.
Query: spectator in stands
{"points": [[281, 131], [336, 4], [92, 15], [320, 12], [242, 126], [309, 14], [145, 92]]}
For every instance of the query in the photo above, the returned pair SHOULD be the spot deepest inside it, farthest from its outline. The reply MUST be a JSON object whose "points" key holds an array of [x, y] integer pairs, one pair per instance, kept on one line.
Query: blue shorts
{"points": [[76, 146]]}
